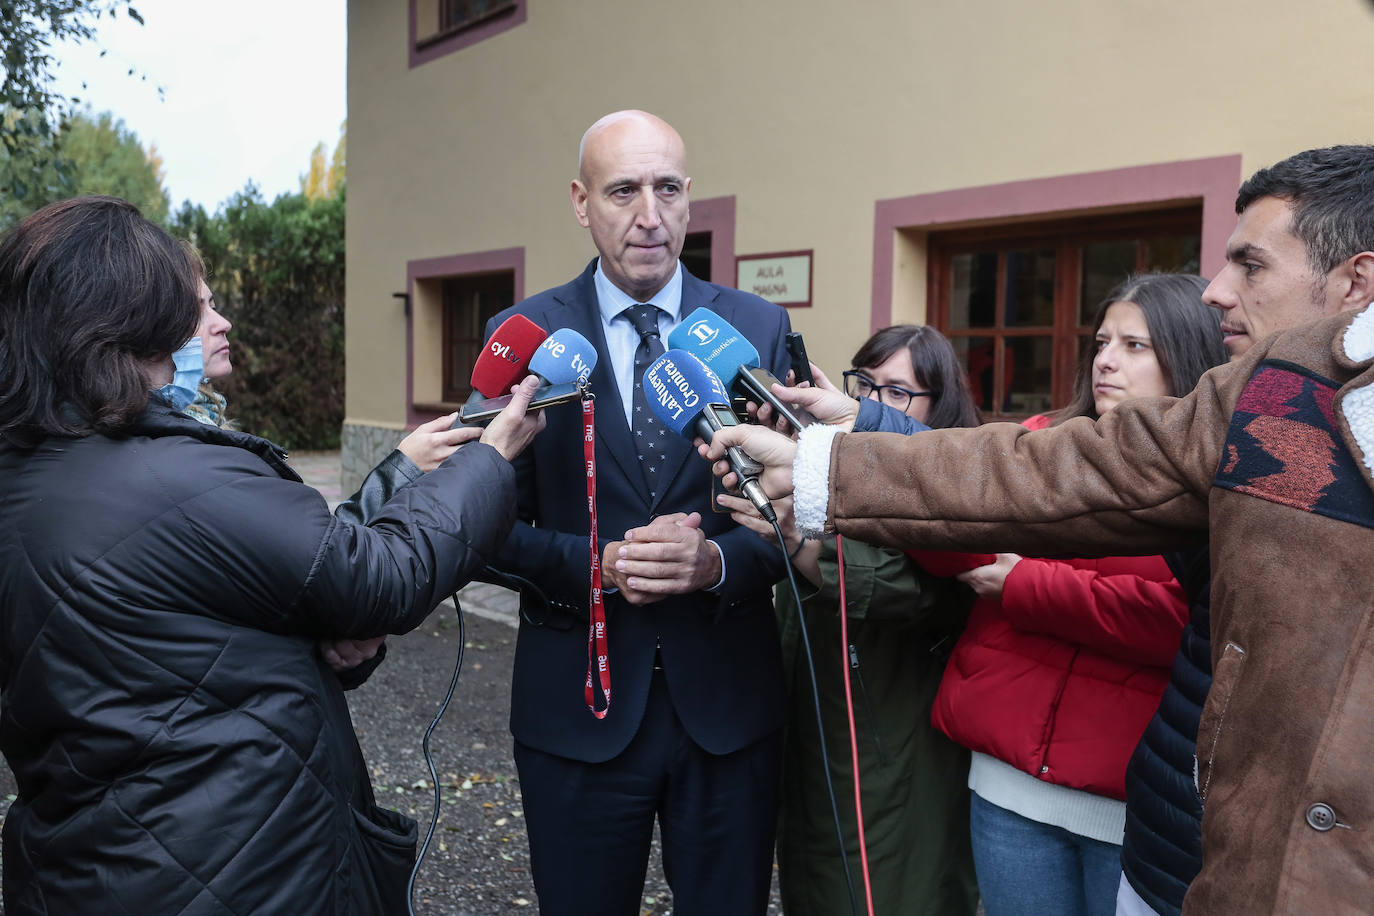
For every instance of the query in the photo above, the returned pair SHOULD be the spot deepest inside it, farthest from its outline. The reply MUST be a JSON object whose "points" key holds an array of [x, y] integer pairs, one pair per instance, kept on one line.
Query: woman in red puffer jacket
{"points": [[1063, 661]]}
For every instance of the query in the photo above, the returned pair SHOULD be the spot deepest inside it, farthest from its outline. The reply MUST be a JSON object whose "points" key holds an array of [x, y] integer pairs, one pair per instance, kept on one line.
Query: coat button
{"points": [[1044, 769], [1321, 817]]}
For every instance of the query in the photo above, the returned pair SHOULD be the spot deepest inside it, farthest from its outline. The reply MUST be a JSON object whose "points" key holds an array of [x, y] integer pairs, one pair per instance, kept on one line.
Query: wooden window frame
{"points": [[1067, 238], [427, 46], [429, 270], [1213, 181], [451, 395]]}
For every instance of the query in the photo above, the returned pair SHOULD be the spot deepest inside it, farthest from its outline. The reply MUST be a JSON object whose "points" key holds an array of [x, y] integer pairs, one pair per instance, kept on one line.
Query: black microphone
{"points": [[690, 400]]}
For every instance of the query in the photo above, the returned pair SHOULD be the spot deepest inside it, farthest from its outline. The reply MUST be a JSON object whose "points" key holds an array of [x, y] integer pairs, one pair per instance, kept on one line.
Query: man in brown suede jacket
{"points": [[1272, 458]]}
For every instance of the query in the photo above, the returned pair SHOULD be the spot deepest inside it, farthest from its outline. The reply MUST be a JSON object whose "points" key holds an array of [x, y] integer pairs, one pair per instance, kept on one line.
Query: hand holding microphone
{"points": [[513, 428], [774, 451], [689, 399], [821, 399], [562, 363], [429, 444], [730, 355]]}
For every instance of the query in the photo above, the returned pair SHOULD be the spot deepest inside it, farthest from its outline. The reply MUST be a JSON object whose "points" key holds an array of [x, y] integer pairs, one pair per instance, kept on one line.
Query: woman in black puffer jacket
{"points": [[180, 745]]}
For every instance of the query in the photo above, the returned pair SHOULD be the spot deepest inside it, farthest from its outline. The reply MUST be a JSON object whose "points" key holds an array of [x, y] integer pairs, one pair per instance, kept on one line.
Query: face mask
{"points": [[186, 380]]}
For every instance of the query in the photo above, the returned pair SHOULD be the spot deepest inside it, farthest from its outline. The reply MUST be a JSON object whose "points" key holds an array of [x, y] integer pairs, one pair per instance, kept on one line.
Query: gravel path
{"points": [[478, 861]]}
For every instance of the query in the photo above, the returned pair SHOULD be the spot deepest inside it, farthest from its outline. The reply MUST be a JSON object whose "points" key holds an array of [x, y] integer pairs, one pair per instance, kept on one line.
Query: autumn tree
{"points": [[326, 181], [99, 156], [32, 113]]}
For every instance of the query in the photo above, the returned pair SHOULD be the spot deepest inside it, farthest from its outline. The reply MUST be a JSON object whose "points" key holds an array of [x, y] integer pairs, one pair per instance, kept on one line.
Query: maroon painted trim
{"points": [[1213, 180], [480, 262], [463, 38], [810, 272], [716, 215]]}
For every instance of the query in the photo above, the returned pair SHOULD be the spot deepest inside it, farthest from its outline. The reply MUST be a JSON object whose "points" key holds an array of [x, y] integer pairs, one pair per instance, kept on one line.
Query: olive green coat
{"points": [[902, 624]]}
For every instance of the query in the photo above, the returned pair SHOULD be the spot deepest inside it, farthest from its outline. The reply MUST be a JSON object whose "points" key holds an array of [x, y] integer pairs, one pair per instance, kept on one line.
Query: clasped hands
{"points": [[669, 556]]}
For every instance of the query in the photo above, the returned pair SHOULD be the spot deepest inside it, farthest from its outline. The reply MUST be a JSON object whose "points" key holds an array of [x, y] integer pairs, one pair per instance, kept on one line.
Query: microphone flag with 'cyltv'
{"points": [[505, 358], [562, 363], [690, 399], [730, 355]]}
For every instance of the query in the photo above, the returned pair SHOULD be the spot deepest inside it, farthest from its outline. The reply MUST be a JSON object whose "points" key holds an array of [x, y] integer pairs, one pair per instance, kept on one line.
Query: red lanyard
{"points": [[598, 655]]}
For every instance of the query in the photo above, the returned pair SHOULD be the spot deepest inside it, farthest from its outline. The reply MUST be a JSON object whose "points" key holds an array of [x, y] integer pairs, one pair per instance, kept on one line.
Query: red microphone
{"points": [[505, 359]]}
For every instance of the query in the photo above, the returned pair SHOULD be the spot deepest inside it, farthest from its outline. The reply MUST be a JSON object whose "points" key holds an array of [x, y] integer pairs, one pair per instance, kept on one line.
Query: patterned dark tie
{"points": [[650, 436]]}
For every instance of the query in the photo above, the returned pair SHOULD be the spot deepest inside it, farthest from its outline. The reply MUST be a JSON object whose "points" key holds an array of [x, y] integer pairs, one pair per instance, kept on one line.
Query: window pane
{"points": [[975, 353], [1030, 288], [696, 255], [1105, 264], [973, 290], [1175, 254], [1029, 361], [469, 303], [455, 13]]}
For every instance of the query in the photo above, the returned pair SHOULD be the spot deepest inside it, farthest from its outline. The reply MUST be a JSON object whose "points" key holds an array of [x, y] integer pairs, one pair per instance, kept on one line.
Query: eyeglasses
{"points": [[859, 386]]}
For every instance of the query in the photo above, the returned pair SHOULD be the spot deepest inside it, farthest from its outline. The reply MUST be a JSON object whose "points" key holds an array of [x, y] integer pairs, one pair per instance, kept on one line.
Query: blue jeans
{"points": [[1026, 868]]}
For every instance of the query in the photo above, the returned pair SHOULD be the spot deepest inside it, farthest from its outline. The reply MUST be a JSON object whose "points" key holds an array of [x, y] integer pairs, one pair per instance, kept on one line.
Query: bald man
{"points": [[693, 735]]}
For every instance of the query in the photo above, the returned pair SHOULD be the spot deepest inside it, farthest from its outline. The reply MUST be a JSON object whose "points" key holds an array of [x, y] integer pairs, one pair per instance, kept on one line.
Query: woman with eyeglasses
{"points": [[901, 625], [1063, 662]]}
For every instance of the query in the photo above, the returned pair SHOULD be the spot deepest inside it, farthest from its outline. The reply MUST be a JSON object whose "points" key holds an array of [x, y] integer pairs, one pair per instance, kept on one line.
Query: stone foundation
{"points": [[360, 448]]}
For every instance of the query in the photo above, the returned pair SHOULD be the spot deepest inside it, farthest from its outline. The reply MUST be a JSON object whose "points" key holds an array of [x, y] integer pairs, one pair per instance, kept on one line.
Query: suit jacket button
{"points": [[1321, 817]]}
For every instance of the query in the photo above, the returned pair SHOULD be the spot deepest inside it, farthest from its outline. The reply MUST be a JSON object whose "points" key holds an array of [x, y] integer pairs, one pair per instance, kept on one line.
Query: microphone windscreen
{"points": [[716, 342], [505, 359], [566, 356], [678, 386]]}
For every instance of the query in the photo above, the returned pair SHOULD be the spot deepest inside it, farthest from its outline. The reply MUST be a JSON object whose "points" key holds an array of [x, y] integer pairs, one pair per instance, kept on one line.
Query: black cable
{"points": [[820, 724], [429, 760]]}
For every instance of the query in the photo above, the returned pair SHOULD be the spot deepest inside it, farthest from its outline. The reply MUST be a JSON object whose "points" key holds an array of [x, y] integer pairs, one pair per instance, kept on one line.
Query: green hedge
{"points": [[277, 272]]}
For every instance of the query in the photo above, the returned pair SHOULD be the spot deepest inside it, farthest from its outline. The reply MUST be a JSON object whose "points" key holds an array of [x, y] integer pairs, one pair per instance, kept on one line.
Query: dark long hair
{"points": [[1185, 334], [91, 293], [937, 370]]}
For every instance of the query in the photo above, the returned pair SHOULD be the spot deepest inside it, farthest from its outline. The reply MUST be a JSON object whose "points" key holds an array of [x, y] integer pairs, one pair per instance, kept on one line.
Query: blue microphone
{"points": [[689, 399], [564, 356], [562, 363], [730, 355]]}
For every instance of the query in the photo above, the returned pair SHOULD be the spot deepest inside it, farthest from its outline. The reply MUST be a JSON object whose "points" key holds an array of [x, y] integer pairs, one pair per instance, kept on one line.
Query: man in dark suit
{"points": [[693, 734]]}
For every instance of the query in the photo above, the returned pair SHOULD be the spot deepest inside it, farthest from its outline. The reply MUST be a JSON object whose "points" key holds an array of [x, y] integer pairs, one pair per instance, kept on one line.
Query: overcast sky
{"points": [[249, 88]]}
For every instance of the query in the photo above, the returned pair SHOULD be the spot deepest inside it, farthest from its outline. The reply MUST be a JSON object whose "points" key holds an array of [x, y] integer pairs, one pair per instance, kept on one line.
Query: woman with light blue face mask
{"points": [[179, 742], [205, 357]]}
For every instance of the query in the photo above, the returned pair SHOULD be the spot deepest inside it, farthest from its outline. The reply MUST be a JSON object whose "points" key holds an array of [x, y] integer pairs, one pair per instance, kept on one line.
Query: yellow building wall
{"points": [[808, 113]]}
